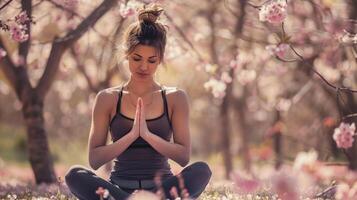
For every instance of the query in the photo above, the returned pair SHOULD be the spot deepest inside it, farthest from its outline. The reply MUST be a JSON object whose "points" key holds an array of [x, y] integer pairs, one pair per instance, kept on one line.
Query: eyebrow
{"points": [[141, 56]]}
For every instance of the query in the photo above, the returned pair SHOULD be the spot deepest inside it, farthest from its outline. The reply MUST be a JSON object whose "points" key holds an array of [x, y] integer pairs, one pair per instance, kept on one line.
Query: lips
{"points": [[142, 74]]}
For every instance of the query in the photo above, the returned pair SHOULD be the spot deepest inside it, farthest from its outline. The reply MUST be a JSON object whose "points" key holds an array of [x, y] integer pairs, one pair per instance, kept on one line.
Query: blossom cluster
{"points": [[18, 28], [343, 135], [274, 11]]}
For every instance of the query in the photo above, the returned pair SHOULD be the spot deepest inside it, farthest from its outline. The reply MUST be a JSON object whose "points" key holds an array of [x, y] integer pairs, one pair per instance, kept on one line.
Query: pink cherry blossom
{"points": [[245, 185], [22, 18], [2, 53], [284, 184], [273, 11], [127, 10], [345, 192], [18, 33], [225, 77], [343, 135], [103, 193], [278, 50]]}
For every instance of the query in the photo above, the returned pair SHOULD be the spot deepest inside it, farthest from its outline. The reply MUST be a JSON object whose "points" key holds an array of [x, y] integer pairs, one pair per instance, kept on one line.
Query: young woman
{"points": [[142, 116]]}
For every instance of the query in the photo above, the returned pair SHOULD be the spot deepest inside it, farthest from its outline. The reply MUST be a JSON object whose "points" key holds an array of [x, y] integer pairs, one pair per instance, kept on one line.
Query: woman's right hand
{"points": [[135, 131]]}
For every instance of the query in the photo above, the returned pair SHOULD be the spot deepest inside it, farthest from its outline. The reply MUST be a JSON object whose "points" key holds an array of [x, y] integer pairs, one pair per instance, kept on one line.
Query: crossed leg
{"points": [[83, 183], [195, 176]]}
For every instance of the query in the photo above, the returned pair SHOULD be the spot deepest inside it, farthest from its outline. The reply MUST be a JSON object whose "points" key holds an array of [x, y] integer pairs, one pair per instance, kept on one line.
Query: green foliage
{"points": [[13, 147], [13, 144]]}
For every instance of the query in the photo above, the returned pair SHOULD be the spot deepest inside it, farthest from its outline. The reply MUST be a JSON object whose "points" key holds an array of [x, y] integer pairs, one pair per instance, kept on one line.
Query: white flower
{"points": [[211, 69], [225, 77], [305, 159], [217, 87]]}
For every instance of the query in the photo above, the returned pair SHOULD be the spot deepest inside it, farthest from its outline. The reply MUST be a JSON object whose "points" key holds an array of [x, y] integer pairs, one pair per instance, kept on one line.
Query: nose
{"points": [[144, 66]]}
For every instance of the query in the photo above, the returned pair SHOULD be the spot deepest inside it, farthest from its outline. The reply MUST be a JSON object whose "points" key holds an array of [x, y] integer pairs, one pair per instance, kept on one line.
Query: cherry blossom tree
{"points": [[32, 95]]}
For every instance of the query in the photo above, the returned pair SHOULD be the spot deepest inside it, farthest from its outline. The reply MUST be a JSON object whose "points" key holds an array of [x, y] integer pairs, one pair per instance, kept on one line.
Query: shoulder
{"points": [[176, 96], [105, 97]]}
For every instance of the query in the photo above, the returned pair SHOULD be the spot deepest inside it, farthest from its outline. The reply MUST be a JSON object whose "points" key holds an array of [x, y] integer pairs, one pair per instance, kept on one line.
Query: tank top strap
{"points": [[166, 107], [120, 94]]}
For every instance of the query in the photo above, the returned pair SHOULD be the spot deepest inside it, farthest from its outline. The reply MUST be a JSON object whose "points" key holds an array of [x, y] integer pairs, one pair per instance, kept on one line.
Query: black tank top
{"points": [[140, 160]]}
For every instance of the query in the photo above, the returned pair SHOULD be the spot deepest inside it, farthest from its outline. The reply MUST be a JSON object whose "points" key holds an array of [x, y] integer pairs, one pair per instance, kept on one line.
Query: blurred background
{"points": [[259, 90]]}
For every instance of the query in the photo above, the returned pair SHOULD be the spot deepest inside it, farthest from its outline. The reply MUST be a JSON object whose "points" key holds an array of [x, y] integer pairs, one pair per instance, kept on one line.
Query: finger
{"points": [[142, 108], [138, 103], [137, 113]]}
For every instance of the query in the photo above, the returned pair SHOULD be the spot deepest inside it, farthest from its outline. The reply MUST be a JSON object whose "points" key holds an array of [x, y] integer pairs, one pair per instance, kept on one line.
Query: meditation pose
{"points": [[148, 124]]}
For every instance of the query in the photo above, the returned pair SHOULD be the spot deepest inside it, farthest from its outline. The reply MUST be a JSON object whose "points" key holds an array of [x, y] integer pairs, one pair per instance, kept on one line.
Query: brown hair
{"points": [[146, 31]]}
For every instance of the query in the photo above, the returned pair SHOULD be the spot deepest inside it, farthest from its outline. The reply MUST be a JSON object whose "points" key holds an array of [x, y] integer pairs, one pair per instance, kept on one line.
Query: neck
{"points": [[142, 87]]}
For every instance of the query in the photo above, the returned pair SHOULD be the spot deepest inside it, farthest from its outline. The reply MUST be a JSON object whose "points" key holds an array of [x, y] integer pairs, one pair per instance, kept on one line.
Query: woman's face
{"points": [[143, 62]]}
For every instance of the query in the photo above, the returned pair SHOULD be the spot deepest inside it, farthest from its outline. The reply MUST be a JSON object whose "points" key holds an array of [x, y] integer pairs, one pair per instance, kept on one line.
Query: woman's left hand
{"points": [[144, 131]]}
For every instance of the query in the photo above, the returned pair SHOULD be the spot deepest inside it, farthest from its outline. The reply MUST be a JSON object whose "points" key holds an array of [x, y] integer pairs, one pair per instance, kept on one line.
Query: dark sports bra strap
{"points": [[119, 99], [163, 93], [166, 108]]}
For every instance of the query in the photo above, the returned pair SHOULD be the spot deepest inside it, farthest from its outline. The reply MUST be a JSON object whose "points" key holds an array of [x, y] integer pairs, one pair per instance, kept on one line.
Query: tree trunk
{"points": [[225, 127], [348, 106], [37, 144], [240, 109], [277, 140], [32, 98]]}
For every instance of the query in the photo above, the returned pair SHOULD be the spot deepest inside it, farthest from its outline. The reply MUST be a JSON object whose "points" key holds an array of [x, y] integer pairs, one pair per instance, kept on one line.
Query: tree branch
{"points": [[182, 34], [83, 70], [79, 16], [7, 3], [24, 46], [59, 45]]}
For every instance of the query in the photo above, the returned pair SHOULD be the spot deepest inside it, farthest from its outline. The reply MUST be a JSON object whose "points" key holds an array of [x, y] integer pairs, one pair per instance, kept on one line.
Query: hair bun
{"points": [[150, 14]]}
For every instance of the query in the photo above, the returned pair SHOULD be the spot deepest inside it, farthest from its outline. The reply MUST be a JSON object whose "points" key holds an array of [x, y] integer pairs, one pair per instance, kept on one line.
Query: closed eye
{"points": [[137, 59]]}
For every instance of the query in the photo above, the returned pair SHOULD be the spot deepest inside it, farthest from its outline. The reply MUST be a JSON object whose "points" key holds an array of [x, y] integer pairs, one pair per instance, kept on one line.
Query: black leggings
{"points": [[83, 182]]}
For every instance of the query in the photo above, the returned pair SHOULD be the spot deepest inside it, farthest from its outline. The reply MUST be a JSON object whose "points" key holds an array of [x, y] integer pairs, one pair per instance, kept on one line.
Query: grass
{"points": [[44, 192]]}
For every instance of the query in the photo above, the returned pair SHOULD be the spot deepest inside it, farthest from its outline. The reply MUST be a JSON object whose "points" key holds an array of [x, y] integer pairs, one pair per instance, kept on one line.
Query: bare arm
{"points": [[99, 152], [180, 149]]}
